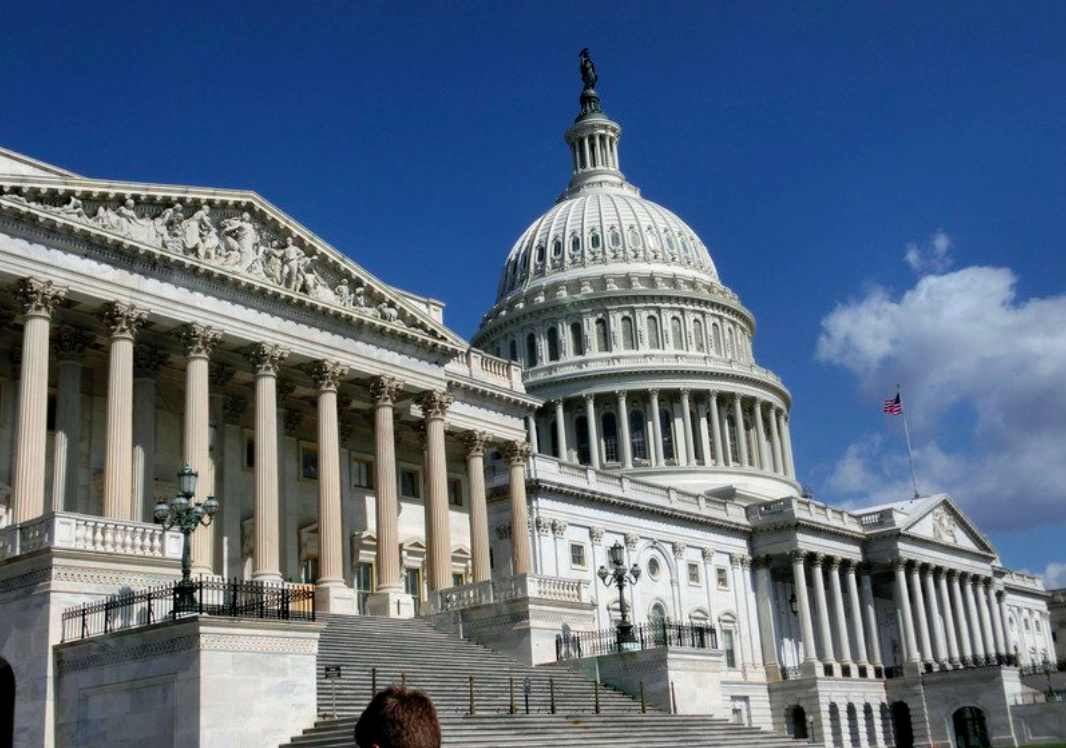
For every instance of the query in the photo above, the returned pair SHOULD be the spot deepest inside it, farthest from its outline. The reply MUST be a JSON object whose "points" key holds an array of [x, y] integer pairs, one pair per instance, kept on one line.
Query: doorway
{"points": [[970, 728], [7, 705], [902, 730], [796, 723]]}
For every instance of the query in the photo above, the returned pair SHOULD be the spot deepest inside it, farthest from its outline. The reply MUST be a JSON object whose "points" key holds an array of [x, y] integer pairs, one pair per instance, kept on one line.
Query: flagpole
{"points": [[907, 435]]}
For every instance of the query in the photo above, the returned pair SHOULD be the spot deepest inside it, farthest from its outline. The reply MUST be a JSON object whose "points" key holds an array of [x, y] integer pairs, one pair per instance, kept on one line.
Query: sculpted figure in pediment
{"points": [[294, 265], [239, 235], [73, 209], [943, 525], [315, 287], [171, 227], [125, 221], [344, 294], [201, 237]]}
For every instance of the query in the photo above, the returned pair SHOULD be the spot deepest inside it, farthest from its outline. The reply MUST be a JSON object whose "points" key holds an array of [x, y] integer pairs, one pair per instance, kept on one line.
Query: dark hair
{"points": [[398, 718]]}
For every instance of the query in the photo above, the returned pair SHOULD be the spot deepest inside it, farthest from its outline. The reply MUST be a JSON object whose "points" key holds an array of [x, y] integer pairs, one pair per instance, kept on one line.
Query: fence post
{"points": [[84, 620], [403, 679], [233, 597], [513, 707], [673, 699], [551, 694], [472, 709], [200, 586], [151, 612], [643, 702], [596, 691]]}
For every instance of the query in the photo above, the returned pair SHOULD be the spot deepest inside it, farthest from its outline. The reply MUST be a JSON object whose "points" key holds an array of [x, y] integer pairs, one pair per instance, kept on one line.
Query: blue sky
{"points": [[816, 148]]}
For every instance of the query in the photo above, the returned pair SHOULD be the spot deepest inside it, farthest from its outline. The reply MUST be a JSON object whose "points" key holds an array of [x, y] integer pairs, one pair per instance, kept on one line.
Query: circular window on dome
{"points": [[655, 569], [634, 237]]}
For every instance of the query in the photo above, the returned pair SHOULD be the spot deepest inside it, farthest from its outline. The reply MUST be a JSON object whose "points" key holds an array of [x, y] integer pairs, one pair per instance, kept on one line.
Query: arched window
{"points": [[653, 333], [657, 614], [677, 336], [628, 342], [577, 340], [594, 240], [553, 344], [717, 332], [513, 350], [525, 261], [731, 437], [697, 333], [730, 344], [637, 435], [557, 247], [670, 242], [634, 237], [575, 244], [581, 426], [653, 239], [540, 254], [610, 437], [616, 239], [666, 425], [531, 350], [601, 336], [686, 247]]}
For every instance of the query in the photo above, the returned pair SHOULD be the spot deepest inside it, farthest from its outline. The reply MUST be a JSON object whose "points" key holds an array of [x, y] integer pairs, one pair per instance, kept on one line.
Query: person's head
{"points": [[398, 718]]}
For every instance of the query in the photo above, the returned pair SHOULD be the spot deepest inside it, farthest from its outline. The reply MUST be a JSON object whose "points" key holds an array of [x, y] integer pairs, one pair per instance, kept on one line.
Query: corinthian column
{"points": [[123, 320], [949, 619], [266, 358], [742, 433], [821, 605], [786, 443], [475, 442], [961, 618], [686, 424], [70, 347], [626, 453], [765, 461], [940, 645], [656, 453], [560, 432], [799, 583], [147, 360], [922, 621], [328, 375], [838, 611], [438, 528], [716, 430], [594, 439], [903, 603], [861, 653], [516, 454], [775, 435], [37, 300]]}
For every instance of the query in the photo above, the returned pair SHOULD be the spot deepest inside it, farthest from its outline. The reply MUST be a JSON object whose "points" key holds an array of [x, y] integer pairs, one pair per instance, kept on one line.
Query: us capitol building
{"points": [[376, 469]]}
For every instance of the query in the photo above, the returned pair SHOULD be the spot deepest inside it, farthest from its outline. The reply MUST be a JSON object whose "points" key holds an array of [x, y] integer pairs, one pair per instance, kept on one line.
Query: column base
{"points": [[267, 576], [811, 669], [391, 605], [336, 598]]}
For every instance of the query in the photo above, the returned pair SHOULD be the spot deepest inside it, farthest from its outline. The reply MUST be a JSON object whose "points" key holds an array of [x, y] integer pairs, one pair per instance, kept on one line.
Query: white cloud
{"points": [[1055, 576], [933, 257], [984, 380]]}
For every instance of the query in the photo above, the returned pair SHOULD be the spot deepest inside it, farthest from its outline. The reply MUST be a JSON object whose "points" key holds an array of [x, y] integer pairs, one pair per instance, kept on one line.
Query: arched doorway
{"points": [[7, 705], [970, 728], [796, 723], [902, 731]]}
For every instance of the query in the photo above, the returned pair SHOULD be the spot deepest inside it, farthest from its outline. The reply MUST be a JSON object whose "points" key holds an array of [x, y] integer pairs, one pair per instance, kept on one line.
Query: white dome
{"points": [[600, 230]]}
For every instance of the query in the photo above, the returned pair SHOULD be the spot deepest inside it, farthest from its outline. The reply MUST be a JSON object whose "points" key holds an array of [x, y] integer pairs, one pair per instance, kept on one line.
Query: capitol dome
{"points": [[614, 308]]}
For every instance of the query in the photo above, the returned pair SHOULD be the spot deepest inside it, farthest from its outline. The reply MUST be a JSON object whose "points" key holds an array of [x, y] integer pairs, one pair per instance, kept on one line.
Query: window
{"points": [[540, 254], [653, 332], [412, 584], [553, 344], [364, 585], [601, 336], [594, 240], [693, 573], [610, 437], [717, 332], [309, 569], [581, 426], [628, 343], [362, 472], [697, 333], [410, 485], [666, 425], [637, 435], [458, 580], [670, 242], [455, 492], [513, 350], [722, 574], [531, 350], [653, 240], [730, 648], [308, 461], [577, 340], [577, 556], [655, 569], [575, 244], [557, 247], [634, 237], [677, 337], [616, 239]]}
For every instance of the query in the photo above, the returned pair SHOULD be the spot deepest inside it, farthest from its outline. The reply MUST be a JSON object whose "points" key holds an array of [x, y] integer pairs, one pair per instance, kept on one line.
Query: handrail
{"points": [[651, 635]]}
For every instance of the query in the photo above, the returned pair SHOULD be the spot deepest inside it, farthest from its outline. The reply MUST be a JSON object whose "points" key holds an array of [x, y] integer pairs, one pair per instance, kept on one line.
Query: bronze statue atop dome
{"points": [[590, 100]]}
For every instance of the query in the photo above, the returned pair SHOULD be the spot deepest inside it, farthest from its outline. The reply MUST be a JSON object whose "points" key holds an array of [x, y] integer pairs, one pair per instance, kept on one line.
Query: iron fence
{"points": [[650, 635], [233, 598]]}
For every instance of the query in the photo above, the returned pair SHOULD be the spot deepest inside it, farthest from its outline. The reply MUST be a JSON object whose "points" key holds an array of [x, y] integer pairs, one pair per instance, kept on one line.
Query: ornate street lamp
{"points": [[186, 516], [619, 576]]}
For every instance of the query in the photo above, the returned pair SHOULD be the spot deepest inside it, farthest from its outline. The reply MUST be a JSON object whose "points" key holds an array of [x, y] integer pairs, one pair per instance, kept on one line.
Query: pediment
{"points": [[942, 521], [235, 235]]}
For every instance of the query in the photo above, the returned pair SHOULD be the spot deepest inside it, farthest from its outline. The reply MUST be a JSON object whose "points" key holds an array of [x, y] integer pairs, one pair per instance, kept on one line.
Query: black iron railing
{"points": [[651, 635], [233, 598]]}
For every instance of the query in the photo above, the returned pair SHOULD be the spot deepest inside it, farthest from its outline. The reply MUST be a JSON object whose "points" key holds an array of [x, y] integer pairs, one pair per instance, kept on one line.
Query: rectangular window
{"points": [[455, 492], [693, 573], [730, 648], [577, 556], [362, 472], [410, 485], [364, 585], [458, 580], [723, 577], [249, 450], [308, 461], [309, 570]]}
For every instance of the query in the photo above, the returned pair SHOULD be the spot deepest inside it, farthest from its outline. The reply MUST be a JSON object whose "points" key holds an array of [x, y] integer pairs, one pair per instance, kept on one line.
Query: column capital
{"points": [[621, 395], [516, 453], [834, 562], [951, 574], [328, 375], [434, 403], [267, 358], [817, 560], [474, 442], [199, 340], [654, 393], [685, 391], [38, 297], [899, 563], [122, 319], [850, 565], [712, 393], [678, 549], [70, 343], [385, 390], [632, 539], [708, 554], [147, 360], [797, 554], [596, 533]]}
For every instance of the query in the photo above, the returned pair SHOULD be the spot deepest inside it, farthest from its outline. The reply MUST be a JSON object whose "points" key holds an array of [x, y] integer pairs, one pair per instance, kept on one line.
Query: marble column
{"points": [[626, 447], [838, 608], [861, 653], [765, 462], [766, 624], [775, 434], [988, 595], [686, 426], [961, 618], [716, 429], [70, 344], [198, 341], [949, 618], [475, 443], [786, 443], [1008, 637], [435, 407], [742, 433], [703, 434], [821, 606], [516, 454], [147, 360], [803, 603], [656, 428], [332, 591], [870, 612], [123, 321], [560, 431], [593, 435], [940, 650], [37, 299], [739, 564], [972, 620], [266, 358], [925, 644], [988, 644], [903, 603], [531, 431]]}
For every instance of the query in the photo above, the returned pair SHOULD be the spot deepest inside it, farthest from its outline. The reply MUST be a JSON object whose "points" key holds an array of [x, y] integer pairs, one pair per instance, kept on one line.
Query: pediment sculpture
{"points": [[944, 525]]}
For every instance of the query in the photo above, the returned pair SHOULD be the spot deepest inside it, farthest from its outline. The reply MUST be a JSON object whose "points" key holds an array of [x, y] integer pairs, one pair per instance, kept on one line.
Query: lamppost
{"points": [[186, 516], [1052, 694], [619, 576]]}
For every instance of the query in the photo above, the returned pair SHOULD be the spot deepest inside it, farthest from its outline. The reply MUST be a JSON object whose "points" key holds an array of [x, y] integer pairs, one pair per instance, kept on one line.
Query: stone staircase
{"points": [[421, 656]]}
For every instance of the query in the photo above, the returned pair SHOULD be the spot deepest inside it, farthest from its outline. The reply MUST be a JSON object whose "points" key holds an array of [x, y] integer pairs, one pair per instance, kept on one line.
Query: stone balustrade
{"points": [[490, 369], [66, 530], [517, 587]]}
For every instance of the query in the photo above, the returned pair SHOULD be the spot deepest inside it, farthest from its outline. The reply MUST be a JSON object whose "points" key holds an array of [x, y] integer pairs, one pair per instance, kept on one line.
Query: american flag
{"points": [[894, 406]]}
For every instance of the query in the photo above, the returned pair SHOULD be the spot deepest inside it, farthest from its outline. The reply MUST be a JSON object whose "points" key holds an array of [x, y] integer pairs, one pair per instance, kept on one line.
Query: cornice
{"points": [[518, 400]]}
